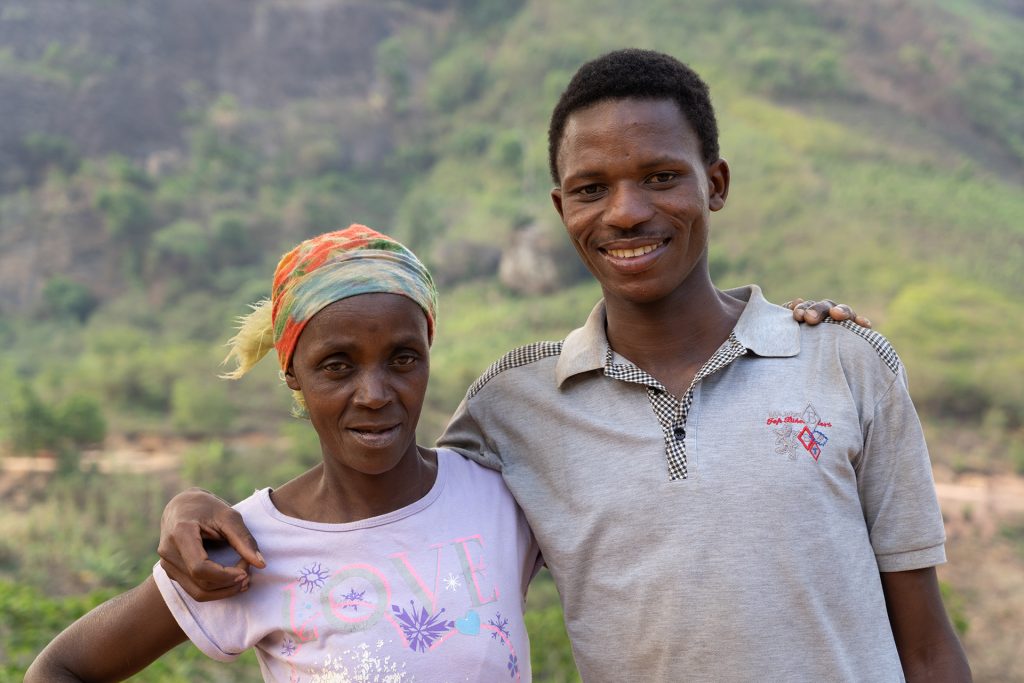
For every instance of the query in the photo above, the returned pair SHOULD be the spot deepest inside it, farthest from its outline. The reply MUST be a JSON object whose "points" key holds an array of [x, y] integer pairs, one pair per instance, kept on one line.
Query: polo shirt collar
{"points": [[763, 328], [586, 348]]}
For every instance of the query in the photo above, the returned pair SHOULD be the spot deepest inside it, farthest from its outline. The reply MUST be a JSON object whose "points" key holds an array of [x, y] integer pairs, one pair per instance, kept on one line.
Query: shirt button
{"points": [[680, 433]]}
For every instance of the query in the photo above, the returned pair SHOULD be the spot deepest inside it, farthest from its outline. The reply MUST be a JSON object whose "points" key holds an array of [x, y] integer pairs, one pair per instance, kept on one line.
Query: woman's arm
{"points": [[117, 639]]}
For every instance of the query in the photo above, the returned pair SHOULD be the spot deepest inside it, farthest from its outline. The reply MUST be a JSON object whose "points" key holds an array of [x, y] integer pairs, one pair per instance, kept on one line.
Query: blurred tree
{"points": [[201, 407], [63, 297], [81, 421]]}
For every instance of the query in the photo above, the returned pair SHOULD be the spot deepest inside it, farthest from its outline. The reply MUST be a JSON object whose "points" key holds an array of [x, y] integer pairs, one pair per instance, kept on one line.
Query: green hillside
{"points": [[876, 147]]}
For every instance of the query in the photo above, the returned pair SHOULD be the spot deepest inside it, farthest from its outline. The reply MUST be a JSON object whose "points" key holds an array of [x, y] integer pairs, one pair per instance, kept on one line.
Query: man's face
{"points": [[635, 197]]}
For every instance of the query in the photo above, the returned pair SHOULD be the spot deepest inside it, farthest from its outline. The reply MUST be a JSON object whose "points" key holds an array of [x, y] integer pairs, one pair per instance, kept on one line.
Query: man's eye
{"points": [[663, 177], [589, 190], [404, 361]]}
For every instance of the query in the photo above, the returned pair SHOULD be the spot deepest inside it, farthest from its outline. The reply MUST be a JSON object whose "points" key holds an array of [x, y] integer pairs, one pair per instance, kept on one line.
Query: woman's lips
{"points": [[375, 437]]}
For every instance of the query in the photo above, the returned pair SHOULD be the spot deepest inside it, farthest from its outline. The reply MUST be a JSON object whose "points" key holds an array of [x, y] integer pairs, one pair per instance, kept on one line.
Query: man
{"points": [[720, 493]]}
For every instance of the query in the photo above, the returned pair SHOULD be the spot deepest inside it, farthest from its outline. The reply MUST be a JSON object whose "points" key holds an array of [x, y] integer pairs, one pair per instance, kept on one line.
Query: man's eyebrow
{"points": [[660, 161], [585, 174], [664, 160]]}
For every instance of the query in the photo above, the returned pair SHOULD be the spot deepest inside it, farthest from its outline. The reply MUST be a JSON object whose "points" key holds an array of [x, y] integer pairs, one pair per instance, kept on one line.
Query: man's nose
{"points": [[628, 206]]}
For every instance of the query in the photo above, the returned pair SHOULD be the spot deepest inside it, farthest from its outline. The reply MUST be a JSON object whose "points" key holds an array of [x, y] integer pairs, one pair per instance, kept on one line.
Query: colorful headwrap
{"points": [[324, 269]]}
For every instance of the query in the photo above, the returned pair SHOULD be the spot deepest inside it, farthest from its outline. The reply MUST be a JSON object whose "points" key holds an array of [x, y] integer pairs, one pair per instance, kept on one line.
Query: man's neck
{"points": [[671, 339]]}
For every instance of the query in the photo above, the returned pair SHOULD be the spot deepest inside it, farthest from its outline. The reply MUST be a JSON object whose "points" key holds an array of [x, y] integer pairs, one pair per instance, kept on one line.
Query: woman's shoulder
{"points": [[462, 468]]}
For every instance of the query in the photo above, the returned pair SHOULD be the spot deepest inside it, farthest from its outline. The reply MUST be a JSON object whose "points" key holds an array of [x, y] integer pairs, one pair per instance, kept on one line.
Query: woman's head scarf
{"points": [[319, 271]]}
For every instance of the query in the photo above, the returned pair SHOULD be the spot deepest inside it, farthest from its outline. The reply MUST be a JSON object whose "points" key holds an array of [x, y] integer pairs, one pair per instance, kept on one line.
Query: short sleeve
{"points": [[465, 435], [897, 491], [217, 627]]}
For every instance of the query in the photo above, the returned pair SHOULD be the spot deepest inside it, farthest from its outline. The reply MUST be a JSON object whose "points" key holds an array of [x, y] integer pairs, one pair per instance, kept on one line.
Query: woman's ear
{"points": [[289, 379]]}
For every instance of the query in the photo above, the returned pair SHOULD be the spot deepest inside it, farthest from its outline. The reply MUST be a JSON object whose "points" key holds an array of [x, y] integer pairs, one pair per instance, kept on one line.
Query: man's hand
{"points": [[192, 517], [813, 312]]}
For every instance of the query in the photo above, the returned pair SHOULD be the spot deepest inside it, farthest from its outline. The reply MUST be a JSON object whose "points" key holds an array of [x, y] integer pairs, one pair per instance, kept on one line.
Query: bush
{"points": [[32, 424], [125, 210], [81, 421], [65, 298], [960, 347], [200, 408]]}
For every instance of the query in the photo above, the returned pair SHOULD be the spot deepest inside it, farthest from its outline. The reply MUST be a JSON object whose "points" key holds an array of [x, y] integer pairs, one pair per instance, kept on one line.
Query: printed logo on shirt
{"points": [[799, 432], [445, 594]]}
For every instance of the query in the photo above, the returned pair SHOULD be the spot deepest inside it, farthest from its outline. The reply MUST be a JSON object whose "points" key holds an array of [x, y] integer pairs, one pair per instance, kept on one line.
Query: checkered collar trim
{"points": [[763, 328], [672, 414]]}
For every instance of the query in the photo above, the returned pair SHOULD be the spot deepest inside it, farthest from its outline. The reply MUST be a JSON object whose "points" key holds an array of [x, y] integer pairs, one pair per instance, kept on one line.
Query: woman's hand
{"points": [[813, 312], [189, 519]]}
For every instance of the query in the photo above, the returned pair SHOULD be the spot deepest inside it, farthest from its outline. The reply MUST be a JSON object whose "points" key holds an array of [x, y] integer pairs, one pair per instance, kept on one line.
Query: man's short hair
{"points": [[641, 74]]}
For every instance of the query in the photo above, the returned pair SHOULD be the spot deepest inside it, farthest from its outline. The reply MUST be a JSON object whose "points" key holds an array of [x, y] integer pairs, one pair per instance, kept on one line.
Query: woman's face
{"points": [[362, 366]]}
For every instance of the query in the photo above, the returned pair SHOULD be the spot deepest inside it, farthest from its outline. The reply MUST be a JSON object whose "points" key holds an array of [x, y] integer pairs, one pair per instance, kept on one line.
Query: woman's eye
{"points": [[335, 366]]}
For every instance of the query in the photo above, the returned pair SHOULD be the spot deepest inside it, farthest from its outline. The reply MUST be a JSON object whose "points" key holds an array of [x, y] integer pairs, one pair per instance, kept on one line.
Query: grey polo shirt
{"points": [[735, 534]]}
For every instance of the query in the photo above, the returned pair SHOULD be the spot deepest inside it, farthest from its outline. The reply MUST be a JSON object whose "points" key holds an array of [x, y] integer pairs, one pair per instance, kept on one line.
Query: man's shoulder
{"points": [[526, 356], [852, 339]]}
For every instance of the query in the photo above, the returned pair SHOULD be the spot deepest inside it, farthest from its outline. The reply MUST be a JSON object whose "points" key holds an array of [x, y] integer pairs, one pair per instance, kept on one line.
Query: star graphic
{"points": [[452, 582]]}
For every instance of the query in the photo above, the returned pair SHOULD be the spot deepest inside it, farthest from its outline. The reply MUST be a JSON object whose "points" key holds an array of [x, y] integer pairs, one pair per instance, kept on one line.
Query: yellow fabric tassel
{"points": [[254, 340]]}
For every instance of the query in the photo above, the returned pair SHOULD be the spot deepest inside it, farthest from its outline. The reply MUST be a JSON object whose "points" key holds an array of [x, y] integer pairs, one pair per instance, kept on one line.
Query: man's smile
{"points": [[632, 256]]}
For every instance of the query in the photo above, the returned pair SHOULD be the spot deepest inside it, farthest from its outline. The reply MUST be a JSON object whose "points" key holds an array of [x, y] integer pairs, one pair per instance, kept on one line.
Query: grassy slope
{"points": [[884, 209]]}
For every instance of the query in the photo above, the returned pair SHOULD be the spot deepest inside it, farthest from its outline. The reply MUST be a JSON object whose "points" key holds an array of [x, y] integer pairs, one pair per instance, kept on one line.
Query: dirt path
{"points": [[981, 500]]}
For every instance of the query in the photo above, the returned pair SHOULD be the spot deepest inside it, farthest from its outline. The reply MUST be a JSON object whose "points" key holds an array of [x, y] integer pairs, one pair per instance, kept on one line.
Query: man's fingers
{"points": [[234, 531], [204, 593], [191, 560]]}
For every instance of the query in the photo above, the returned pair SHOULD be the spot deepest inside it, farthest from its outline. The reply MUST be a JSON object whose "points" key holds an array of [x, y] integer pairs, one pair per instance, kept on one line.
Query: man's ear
{"points": [[289, 379], [718, 184], [556, 199]]}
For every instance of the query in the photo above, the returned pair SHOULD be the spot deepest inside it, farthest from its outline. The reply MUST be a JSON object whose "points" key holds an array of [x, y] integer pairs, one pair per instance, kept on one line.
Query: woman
{"points": [[387, 561]]}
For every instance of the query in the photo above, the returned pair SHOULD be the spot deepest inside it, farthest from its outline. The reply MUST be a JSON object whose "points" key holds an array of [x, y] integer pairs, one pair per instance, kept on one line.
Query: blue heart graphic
{"points": [[469, 624]]}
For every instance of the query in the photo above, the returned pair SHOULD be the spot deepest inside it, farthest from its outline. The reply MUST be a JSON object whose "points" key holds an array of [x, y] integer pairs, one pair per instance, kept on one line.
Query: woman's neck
{"points": [[329, 493]]}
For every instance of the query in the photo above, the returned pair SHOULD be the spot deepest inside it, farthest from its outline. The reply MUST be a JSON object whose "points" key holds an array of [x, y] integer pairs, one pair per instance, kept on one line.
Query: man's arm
{"points": [[117, 639], [191, 517], [928, 646]]}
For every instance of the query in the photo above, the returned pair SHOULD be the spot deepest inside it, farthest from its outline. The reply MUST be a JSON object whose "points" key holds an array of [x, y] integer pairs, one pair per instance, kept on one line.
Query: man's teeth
{"points": [[632, 253]]}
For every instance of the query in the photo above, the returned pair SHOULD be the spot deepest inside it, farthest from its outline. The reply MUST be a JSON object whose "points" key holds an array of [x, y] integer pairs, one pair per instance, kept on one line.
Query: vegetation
{"points": [[877, 153]]}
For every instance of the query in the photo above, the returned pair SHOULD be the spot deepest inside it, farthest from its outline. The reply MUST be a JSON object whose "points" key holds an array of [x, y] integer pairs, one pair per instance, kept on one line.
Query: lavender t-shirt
{"points": [[432, 592]]}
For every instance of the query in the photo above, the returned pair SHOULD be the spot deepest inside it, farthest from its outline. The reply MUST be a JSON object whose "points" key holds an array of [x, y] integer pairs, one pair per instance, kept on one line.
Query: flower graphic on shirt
{"points": [[352, 599], [452, 582], [513, 666], [312, 577], [288, 647], [420, 627], [500, 624]]}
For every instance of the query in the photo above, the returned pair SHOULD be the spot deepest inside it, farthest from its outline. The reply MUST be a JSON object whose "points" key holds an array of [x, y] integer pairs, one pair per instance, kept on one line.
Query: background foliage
{"points": [[877, 150]]}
